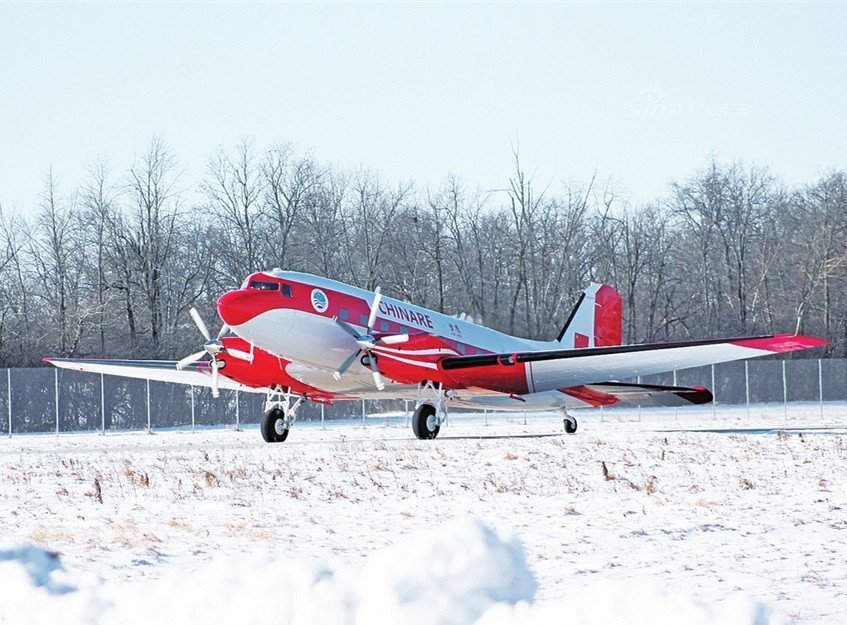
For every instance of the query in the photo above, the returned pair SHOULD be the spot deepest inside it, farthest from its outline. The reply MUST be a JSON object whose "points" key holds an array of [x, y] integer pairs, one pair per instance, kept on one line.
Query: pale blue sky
{"points": [[641, 93]]}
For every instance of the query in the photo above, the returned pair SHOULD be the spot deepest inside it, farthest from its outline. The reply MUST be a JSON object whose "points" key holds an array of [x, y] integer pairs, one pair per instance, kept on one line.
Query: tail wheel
{"points": [[570, 425], [424, 424], [273, 426]]}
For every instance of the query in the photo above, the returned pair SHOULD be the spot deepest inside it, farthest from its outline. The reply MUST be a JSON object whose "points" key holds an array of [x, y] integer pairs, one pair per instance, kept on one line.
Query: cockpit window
{"points": [[261, 285], [286, 290]]}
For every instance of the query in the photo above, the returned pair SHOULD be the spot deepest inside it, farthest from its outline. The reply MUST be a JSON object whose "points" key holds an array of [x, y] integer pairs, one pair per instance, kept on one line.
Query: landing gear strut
{"points": [[280, 414], [430, 412]]}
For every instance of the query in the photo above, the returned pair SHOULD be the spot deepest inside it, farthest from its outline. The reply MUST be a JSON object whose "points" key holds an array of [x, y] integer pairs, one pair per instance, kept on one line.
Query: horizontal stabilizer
{"points": [[648, 395]]}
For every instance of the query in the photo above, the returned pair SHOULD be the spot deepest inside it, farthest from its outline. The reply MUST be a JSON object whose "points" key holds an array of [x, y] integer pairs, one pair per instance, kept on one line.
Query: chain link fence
{"points": [[59, 400]]}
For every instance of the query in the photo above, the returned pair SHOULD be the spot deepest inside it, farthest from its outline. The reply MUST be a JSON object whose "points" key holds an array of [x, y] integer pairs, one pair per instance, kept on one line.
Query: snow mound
{"points": [[29, 565], [448, 576], [459, 573], [631, 603]]}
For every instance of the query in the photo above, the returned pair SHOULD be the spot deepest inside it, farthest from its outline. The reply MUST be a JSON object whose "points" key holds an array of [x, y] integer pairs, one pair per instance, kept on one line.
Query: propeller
{"points": [[213, 347], [367, 342]]}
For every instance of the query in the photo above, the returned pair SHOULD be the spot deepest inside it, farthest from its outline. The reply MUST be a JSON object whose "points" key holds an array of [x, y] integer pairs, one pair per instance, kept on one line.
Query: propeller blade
{"points": [[374, 308], [240, 354], [215, 391], [378, 381], [350, 329], [201, 325], [346, 364], [393, 339], [189, 359], [224, 329]]}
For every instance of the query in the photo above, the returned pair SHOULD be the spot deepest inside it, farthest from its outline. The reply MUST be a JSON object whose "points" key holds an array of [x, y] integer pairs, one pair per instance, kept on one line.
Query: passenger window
{"points": [[261, 285], [461, 348], [343, 314], [383, 325], [363, 320], [286, 290]]}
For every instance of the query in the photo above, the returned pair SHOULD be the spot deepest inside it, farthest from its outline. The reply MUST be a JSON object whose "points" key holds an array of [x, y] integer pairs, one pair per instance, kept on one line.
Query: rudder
{"points": [[596, 320]]}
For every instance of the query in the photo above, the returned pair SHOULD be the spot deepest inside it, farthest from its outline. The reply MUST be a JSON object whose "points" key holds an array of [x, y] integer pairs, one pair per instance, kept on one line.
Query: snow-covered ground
{"points": [[662, 517]]}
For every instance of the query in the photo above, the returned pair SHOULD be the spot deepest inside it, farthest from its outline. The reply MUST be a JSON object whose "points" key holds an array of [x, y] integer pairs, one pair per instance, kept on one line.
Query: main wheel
{"points": [[274, 429], [570, 424], [424, 424]]}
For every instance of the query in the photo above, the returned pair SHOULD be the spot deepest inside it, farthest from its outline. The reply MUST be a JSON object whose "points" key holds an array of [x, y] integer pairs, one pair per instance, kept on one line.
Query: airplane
{"points": [[302, 337]]}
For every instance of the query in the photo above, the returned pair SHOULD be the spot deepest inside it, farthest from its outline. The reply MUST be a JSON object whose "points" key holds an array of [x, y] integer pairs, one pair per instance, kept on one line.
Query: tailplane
{"points": [[596, 320]]}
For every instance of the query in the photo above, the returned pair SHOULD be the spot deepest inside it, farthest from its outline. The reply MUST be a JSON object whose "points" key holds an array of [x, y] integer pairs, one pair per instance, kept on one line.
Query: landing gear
{"points": [[274, 427], [570, 424], [424, 423], [430, 410], [280, 414]]}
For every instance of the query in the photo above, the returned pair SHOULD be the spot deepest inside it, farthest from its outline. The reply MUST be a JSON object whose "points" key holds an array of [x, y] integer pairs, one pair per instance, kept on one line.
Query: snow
{"points": [[679, 517]]}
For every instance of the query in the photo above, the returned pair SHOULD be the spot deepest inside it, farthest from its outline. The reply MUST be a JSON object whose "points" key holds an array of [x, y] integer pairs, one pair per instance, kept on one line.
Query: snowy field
{"points": [[658, 517]]}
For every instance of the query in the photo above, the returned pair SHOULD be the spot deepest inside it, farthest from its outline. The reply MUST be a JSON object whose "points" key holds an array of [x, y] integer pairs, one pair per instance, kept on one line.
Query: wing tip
{"points": [[780, 343]]}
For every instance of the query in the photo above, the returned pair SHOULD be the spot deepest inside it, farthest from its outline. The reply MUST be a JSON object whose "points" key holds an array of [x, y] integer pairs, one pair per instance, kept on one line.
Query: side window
{"points": [[461, 347], [363, 320], [286, 290], [343, 314], [383, 325]]}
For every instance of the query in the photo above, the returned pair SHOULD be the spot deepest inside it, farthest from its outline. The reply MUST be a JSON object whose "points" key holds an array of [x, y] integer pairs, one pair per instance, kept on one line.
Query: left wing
{"points": [[197, 373], [529, 372]]}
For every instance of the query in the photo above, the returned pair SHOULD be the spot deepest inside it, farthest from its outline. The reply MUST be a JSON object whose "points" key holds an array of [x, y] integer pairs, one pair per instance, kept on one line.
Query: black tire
{"points": [[419, 422], [570, 425], [270, 420]]}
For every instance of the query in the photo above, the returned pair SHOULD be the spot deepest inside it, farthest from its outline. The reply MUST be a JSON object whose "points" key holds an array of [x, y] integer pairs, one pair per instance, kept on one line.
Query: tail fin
{"points": [[596, 320]]}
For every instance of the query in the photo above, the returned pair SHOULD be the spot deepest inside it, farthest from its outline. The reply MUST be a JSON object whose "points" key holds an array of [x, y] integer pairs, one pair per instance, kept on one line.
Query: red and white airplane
{"points": [[303, 337]]}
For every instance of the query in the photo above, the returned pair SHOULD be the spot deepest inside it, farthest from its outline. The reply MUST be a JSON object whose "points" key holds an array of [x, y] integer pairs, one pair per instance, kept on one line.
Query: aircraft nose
{"points": [[237, 307]]}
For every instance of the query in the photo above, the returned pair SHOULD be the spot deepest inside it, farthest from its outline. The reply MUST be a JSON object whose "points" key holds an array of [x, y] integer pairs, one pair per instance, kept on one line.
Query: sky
{"points": [[641, 94]]}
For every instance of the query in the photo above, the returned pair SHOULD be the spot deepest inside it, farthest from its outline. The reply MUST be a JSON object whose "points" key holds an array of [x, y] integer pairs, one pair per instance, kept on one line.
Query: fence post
{"points": [[9, 397], [102, 405], [714, 396], [363, 413], [675, 409], [747, 385], [638, 381], [406, 413], [56, 396], [784, 391], [149, 423], [192, 407], [237, 413], [820, 383], [322, 416]]}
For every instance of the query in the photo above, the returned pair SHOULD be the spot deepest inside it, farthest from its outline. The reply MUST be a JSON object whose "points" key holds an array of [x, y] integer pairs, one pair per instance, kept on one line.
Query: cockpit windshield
{"points": [[262, 285]]}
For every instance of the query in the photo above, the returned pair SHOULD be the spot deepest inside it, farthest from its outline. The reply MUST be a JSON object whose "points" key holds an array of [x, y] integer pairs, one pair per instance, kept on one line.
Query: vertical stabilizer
{"points": [[596, 320]]}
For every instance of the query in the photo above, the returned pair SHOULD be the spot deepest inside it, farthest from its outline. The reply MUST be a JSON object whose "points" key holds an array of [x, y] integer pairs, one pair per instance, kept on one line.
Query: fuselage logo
{"points": [[320, 302]]}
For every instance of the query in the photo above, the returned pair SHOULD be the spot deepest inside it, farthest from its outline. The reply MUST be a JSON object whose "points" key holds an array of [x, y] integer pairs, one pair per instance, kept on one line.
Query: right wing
{"points": [[563, 368], [196, 373]]}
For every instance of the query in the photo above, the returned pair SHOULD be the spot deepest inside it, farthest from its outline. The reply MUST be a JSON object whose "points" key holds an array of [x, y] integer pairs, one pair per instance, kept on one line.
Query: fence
{"points": [[54, 400]]}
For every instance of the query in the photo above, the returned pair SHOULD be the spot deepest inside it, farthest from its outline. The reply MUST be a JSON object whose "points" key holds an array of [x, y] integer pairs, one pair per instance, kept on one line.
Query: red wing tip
{"points": [[49, 361], [782, 342]]}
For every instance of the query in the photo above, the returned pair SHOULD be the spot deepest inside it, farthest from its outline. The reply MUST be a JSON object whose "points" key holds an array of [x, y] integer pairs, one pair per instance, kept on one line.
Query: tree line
{"points": [[110, 265]]}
